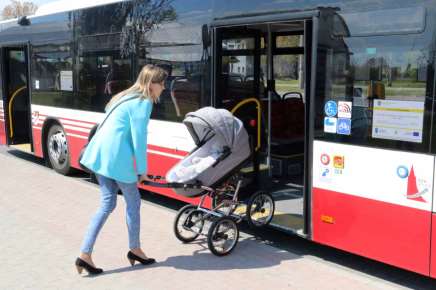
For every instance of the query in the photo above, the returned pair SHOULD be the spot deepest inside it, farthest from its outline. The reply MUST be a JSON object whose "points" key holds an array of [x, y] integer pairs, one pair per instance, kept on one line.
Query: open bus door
{"points": [[262, 73], [16, 97]]}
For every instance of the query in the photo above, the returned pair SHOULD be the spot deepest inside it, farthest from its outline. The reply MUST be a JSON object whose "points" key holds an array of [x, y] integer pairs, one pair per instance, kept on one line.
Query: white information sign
{"points": [[398, 120], [66, 80], [330, 124]]}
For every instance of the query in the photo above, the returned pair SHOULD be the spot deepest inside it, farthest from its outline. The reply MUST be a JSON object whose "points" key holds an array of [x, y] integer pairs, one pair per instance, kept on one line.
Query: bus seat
{"points": [[287, 126]]}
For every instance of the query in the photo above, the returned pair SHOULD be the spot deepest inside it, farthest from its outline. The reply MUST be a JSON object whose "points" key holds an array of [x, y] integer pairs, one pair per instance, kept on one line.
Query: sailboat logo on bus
{"points": [[413, 192]]}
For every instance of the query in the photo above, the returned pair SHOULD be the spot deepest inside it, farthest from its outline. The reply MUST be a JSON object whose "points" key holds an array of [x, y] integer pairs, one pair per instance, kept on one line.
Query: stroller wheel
{"points": [[223, 236], [188, 223], [260, 209]]}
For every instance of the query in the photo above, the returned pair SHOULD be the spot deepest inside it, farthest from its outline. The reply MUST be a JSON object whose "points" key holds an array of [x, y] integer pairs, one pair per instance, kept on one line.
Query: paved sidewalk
{"points": [[44, 216]]}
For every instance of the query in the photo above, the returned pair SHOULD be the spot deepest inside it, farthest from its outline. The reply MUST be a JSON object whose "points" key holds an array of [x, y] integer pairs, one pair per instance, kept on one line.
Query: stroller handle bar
{"points": [[154, 178]]}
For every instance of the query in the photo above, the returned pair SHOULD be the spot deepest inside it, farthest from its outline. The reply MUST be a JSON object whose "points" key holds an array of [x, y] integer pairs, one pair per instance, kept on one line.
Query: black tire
{"points": [[58, 153], [186, 219], [260, 203], [219, 233]]}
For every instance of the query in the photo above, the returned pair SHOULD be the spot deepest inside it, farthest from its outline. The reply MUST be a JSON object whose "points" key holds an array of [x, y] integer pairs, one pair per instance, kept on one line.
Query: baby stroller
{"points": [[212, 170]]}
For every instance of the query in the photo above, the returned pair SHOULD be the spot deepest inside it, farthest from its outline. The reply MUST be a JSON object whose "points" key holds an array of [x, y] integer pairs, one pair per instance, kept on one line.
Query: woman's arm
{"points": [[139, 119]]}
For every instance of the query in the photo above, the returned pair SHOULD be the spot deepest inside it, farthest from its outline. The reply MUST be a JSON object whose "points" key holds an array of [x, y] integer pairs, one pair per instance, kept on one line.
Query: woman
{"points": [[117, 155]]}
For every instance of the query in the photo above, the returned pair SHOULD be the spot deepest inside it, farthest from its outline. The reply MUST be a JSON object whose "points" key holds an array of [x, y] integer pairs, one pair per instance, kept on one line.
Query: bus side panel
{"points": [[37, 141], [2, 125], [433, 236], [373, 202], [388, 233], [433, 247]]}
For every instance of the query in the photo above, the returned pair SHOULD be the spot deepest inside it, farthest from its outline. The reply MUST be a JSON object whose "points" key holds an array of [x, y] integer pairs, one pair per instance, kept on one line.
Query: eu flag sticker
{"points": [[344, 126]]}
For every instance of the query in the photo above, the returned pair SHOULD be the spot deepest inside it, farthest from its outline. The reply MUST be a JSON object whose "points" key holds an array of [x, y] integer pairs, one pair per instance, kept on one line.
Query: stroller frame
{"points": [[223, 233]]}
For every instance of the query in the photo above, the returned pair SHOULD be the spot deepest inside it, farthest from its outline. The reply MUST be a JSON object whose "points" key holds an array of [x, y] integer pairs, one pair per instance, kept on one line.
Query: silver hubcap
{"points": [[261, 211], [224, 236], [190, 223], [57, 147]]}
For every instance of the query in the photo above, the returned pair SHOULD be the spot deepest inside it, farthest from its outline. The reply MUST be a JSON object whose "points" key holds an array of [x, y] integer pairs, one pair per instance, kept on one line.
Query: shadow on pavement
{"points": [[241, 258], [202, 259]]}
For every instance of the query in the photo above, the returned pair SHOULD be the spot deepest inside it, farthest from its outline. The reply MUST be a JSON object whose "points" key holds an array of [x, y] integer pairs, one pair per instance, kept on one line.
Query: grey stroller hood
{"points": [[208, 121], [222, 145]]}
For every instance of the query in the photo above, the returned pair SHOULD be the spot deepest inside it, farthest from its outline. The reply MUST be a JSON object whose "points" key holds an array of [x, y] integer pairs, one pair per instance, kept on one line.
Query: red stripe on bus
{"points": [[2, 133], [393, 234], [181, 153], [67, 119]]}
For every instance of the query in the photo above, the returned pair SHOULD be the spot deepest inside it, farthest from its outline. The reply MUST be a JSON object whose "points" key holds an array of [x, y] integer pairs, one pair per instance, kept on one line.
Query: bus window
{"points": [[384, 82], [187, 65], [51, 65], [101, 71], [240, 74]]}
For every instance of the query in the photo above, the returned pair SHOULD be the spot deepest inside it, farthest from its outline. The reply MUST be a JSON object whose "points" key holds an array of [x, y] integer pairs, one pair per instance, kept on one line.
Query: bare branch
{"points": [[17, 9]]}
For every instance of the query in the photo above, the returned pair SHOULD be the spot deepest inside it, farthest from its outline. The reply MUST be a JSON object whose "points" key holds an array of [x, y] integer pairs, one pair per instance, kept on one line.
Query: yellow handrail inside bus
{"points": [[252, 100], [11, 101]]}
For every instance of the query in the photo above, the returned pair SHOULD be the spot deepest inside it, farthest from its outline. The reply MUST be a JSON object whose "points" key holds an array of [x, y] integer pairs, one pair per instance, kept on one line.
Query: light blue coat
{"points": [[118, 149]]}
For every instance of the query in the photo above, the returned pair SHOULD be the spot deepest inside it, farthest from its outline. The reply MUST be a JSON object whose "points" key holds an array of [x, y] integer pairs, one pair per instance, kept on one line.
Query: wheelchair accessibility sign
{"points": [[344, 126], [330, 109]]}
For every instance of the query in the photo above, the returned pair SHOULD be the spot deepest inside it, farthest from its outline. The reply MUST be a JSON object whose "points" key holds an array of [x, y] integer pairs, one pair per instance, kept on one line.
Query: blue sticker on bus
{"points": [[331, 108], [344, 126]]}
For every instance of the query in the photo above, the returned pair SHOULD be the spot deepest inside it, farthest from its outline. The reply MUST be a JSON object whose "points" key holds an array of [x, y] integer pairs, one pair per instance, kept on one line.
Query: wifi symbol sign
{"points": [[344, 109]]}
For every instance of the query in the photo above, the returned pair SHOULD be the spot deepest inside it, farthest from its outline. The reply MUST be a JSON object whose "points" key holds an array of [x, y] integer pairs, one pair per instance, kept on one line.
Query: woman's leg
{"points": [[133, 204], [109, 189]]}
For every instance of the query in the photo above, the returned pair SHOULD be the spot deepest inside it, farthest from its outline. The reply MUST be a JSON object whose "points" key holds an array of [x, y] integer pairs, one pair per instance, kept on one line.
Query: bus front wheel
{"points": [[57, 150]]}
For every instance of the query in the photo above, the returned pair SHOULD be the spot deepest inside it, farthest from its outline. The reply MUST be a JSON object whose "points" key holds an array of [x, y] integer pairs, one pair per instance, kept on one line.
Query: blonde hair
{"points": [[150, 74]]}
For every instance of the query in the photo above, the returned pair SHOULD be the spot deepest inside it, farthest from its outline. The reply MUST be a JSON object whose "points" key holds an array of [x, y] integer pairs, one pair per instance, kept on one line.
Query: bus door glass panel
{"points": [[237, 72], [240, 85], [288, 107], [3, 102], [17, 96], [286, 123], [240, 77]]}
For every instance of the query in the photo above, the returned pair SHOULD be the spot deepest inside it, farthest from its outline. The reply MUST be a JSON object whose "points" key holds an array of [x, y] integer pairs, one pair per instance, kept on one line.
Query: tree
{"points": [[142, 17], [18, 8]]}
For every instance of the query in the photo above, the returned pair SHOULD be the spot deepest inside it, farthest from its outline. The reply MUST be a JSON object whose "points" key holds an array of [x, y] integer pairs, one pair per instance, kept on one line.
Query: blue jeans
{"points": [[109, 189]]}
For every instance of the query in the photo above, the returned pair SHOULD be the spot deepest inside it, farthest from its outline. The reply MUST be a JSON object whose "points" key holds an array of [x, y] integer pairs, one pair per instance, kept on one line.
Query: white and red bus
{"points": [[338, 100]]}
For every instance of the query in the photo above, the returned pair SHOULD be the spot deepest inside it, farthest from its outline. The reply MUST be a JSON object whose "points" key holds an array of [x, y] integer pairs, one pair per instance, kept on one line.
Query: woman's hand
{"points": [[143, 178]]}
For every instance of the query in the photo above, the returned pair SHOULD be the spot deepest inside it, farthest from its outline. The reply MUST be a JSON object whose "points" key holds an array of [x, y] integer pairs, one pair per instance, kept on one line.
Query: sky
{"points": [[3, 3]]}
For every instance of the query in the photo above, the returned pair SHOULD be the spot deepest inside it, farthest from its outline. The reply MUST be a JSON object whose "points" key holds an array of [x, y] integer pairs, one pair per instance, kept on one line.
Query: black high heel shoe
{"points": [[132, 258], [80, 265]]}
